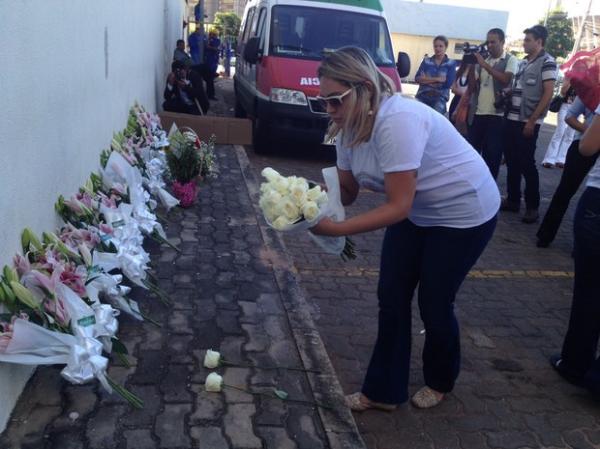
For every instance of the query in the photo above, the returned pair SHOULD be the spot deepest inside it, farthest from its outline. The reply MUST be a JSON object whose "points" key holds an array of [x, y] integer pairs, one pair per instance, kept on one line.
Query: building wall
{"points": [[70, 71], [418, 46]]}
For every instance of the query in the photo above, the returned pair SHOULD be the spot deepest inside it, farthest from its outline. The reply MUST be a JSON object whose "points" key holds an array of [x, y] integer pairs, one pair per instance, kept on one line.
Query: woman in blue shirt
{"points": [[435, 76]]}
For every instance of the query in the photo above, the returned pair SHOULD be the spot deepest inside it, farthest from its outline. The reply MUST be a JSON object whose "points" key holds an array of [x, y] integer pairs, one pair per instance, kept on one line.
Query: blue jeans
{"points": [[581, 341], [436, 102], [438, 259], [486, 134]]}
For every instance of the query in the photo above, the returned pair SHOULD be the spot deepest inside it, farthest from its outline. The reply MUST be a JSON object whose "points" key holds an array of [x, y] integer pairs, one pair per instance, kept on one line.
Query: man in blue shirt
{"points": [[211, 59], [435, 76]]}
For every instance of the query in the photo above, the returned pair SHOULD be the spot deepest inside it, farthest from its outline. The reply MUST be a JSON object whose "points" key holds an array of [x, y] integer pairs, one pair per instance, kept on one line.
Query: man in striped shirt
{"points": [[532, 91]]}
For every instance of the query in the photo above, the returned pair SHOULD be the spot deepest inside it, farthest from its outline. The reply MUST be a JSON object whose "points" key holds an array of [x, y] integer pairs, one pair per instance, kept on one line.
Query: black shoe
{"points": [[531, 216], [508, 206], [569, 375], [542, 243]]}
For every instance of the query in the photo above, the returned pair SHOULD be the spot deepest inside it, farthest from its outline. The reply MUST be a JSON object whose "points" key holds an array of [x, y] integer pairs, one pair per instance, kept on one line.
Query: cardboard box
{"points": [[227, 130]]}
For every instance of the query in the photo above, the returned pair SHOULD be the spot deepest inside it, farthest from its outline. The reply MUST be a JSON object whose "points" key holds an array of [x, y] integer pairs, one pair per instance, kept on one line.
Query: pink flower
{"points": [[106, 229], [108, 201], [7, 330], [21, 264], [75, 205]]}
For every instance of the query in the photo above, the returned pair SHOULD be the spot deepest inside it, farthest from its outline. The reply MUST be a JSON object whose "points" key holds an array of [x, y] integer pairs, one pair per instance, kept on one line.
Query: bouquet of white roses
{"points": [[295, 204]]}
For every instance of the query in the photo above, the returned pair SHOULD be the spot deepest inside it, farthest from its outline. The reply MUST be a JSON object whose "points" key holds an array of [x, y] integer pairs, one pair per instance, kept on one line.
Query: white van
{"points": [[280, 46]]}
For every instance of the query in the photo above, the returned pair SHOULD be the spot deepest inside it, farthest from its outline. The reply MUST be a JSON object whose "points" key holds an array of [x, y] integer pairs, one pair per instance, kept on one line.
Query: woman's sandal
{"points": [[427, 397], [359, 403]]}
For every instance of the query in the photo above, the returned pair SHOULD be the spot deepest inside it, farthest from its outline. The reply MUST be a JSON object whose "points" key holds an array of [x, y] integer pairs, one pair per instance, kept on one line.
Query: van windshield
{"points": [[305, 33]]}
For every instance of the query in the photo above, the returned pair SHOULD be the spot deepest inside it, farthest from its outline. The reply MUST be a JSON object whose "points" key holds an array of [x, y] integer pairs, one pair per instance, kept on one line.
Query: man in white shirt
{"points": [[486, 113]]}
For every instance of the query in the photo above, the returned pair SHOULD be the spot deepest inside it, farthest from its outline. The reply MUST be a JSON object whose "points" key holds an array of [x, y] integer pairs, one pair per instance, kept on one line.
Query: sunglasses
{"points": [[335, 101]]}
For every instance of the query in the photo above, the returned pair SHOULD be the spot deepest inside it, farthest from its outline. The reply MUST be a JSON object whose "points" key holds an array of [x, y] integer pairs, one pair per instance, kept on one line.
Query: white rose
{"points": [[289, 209], [273, 197], [322, 199], [270, 174], [301, 183], [212, 359], [298, 195], [213, 383], [313, 194], [310, 210], [282, 185], [281, 223], [266, 187], [271, 212]]}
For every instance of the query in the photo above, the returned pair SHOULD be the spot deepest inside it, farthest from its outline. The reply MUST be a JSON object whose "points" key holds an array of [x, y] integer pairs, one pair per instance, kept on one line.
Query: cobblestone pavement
{"points": [[513, 311], [232, 291]]}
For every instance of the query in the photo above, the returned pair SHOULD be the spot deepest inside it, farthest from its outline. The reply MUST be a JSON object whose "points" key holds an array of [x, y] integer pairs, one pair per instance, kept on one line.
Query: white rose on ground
{"points": [[212, 359], [270, 174], [213, 383], [289, 209], [310, 210], [280, 223]]}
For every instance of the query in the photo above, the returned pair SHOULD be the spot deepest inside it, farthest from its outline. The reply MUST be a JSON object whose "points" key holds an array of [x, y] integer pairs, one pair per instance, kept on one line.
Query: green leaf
{"points": [[118, 346], [283, 395]]}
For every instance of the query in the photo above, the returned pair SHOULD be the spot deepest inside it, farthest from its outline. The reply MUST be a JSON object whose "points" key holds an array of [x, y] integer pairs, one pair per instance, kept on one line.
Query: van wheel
{"points": [[260, 137], [239, 110]]}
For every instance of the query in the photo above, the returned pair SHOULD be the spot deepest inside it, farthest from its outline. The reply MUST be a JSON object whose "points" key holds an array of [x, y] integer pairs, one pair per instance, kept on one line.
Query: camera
{"points": [[470, 50], [504, 100]]}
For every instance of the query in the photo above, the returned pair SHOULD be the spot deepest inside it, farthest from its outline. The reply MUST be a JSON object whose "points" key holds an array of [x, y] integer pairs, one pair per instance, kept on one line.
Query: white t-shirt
{"points": [[593, 179], [454, 185]]}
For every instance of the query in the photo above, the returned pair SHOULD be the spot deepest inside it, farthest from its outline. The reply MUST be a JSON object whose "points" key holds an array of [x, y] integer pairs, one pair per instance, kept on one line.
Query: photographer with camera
{"points": [[532, 91], [495, 70], [184, 91]]}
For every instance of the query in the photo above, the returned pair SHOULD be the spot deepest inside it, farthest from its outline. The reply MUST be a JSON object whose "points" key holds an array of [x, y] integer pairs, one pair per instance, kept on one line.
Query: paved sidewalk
{"points": [[233, 291]]}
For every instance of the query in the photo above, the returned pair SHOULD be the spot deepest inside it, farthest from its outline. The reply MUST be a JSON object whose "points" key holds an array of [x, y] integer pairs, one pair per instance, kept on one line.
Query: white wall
{"points": [[69, 71]]}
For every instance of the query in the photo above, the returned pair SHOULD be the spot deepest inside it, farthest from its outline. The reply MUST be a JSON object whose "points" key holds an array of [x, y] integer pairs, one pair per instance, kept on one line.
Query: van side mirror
{"points": [[403, 64], [251, 53]]}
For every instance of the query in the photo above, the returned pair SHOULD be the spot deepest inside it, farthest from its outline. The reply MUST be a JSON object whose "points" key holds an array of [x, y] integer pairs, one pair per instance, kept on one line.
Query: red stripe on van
{"points": [[297, 74]]}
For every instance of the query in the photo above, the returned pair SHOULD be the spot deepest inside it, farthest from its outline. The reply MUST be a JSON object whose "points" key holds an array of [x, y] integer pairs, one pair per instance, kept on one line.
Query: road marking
{"points": [[474, 274]]}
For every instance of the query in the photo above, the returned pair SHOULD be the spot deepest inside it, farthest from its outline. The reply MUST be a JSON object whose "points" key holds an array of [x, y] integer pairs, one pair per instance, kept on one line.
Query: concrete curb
{"points": [[338, 423]]}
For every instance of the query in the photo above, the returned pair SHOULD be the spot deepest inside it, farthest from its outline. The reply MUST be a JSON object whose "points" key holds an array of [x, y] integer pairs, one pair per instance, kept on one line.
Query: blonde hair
{"points": [[353, 67]]}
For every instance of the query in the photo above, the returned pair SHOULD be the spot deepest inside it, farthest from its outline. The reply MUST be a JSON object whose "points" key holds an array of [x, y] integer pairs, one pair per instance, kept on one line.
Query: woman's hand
{"points": [[326, 227]]}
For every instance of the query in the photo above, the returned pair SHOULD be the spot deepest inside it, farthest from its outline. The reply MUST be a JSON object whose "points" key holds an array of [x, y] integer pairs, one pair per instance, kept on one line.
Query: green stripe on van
{"points": [[370, 4]]}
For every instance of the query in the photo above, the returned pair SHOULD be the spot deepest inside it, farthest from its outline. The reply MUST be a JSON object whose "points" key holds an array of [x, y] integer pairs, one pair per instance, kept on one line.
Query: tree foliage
{"points": [[560, 33], [227, 24]]}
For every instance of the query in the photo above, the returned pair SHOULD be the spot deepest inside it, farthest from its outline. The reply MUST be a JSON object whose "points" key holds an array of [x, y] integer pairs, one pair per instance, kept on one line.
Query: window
{"points": [[248, 25], [305, 33], [260, 29]]}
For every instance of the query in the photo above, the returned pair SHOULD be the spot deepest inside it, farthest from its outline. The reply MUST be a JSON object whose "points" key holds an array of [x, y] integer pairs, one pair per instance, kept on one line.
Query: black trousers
{"points": [[576, 169], [519, 152], [486, 135], [208, 76], [581, 342]]}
